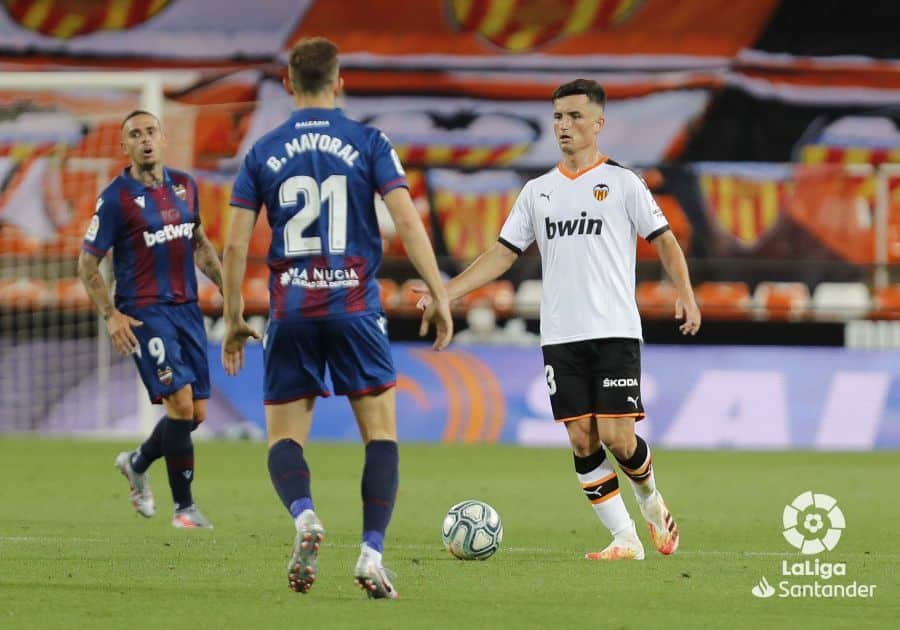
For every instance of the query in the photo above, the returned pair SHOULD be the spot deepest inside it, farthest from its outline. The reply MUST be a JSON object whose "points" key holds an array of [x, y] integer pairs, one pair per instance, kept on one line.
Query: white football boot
{"points": [[141, 496]]}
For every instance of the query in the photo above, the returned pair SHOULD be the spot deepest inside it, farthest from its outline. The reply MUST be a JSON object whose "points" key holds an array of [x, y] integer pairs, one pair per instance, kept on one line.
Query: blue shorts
{"points": [[172, 350], [355, 349]]}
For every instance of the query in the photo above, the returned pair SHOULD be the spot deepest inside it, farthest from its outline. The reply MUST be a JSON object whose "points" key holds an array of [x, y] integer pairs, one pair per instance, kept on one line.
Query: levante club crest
{"points": [[64, 19]]}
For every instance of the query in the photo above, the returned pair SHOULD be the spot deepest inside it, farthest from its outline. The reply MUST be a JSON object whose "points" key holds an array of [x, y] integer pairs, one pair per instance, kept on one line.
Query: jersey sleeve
{"points": [[644, 212], [387, 171], [517, 232], [101, 231], [245, 193], [196, 198]]}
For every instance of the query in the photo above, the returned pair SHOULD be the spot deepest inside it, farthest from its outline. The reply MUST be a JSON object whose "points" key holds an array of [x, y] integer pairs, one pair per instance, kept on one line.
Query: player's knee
{"points": [[181, 404], [181, 411], [581, 443], [621, 443]]}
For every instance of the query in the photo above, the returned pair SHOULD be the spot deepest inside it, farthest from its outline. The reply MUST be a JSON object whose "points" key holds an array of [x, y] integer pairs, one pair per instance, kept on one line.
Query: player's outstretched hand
{"points": [[119, 326], [424, 300], [690, 313], [437, 312], [233, 346]]}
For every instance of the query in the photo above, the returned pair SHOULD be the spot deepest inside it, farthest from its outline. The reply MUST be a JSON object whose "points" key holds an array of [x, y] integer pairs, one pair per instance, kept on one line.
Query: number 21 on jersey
{"points": [[306, 195]]}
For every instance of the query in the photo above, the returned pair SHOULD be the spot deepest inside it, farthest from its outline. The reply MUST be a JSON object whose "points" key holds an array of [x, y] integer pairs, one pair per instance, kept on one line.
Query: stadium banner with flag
{"points": [[159, 29], [695, 397], [479, 33], [471, 207], [476, 133], [798, 211]]}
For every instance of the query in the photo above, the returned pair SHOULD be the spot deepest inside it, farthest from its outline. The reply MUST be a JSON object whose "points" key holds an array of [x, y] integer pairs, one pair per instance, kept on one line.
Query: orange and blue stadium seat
{"points": [[781, 301], [724, 300], [24, 294], [886, 302], [500, 295], [656, 300]]}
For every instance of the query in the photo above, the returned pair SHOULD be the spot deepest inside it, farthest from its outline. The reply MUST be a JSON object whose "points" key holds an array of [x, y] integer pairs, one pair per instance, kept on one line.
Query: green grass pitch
{"points": [[73, 554]]}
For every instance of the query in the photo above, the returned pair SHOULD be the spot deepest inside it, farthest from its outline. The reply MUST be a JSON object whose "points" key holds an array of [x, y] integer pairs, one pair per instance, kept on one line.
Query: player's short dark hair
{"points": [[593, 90], [139, 112], [314, 64]]}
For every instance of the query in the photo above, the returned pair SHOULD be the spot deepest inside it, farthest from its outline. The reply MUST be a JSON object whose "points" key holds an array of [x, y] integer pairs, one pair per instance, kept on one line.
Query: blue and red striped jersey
{"points": [[317, 174], [151, 231]]}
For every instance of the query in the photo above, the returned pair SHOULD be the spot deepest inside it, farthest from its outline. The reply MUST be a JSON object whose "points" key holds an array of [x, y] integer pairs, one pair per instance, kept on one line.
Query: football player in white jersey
{"points": [[585, 215]]}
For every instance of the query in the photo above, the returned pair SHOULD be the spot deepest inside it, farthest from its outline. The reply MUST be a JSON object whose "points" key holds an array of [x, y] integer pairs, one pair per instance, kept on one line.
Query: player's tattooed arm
{"points": [[118, 324], [206, 258], [89, 273]]}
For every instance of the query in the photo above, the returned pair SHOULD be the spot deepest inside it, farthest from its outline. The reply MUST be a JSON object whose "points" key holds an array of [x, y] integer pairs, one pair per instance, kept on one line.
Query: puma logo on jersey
{"points": [[169, 233], [633, 400], [545, 196], [569, 227]]}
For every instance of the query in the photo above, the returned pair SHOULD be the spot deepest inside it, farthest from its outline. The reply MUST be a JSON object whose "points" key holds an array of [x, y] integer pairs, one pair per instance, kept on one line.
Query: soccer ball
{"points": [[472, 530]]}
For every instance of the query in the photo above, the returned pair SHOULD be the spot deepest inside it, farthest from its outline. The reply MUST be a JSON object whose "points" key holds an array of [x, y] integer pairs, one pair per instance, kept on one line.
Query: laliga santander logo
{"points": [[813, 523]]}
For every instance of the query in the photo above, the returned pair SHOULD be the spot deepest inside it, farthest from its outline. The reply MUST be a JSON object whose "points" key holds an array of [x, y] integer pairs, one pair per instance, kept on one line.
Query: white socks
{"points": [[601, 487]]}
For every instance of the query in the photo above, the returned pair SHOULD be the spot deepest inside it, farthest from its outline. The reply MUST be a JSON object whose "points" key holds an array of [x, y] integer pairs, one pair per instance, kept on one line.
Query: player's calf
{"points": [[639, 470], [600, 485]]}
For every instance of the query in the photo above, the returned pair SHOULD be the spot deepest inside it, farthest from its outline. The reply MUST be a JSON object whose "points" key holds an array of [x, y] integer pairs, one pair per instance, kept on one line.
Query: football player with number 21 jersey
{"points": [[317, 175], [150, 217], [585, 216]]}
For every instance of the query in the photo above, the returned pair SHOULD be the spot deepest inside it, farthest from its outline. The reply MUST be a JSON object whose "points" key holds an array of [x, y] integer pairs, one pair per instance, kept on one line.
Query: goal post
{"points": [[58, 149], [148, 84]]}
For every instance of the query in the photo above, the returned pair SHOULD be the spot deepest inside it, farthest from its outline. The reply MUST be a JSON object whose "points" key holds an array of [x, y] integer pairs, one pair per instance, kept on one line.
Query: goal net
{"points": [[59, 146]]}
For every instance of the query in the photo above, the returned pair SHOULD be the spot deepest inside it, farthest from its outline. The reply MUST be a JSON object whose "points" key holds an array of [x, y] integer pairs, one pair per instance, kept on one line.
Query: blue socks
{"points": [[379, 489], [290, 476], [150, 450], [178, 449]]}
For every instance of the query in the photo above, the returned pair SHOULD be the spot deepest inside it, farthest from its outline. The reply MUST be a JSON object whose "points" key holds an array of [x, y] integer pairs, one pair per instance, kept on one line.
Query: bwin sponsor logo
{"points": [[570, 227], [169, 233]]}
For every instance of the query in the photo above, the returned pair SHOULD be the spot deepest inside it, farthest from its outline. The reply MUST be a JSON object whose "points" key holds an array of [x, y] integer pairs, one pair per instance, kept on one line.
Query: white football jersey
{"points": [[586, 228]]}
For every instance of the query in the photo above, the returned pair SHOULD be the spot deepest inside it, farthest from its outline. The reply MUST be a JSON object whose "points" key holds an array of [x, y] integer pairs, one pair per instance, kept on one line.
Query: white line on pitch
{"points": [[437, 547]]}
